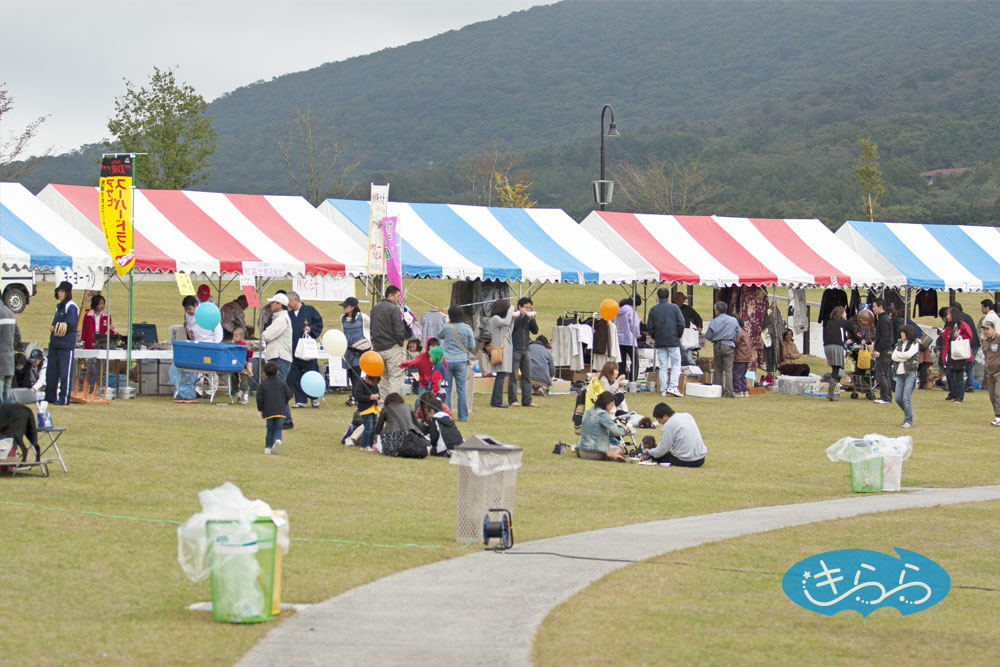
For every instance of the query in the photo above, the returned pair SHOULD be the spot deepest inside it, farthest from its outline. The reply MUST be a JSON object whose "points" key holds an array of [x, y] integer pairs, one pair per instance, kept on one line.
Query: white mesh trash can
{"points": [[487, 477]]}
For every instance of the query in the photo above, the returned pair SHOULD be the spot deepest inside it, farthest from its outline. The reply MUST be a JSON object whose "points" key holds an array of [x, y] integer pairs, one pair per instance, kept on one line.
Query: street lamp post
{"points": [[604, 189]]}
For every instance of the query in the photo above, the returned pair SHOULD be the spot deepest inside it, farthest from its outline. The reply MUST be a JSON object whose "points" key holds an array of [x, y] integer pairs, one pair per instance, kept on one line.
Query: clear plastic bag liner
{"points": [[228, 503], [872, 446], [487, 463]]}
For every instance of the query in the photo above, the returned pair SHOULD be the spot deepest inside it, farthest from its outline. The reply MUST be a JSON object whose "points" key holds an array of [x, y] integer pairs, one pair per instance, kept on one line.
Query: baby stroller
{"points": [[628, 443], [862, 379]]}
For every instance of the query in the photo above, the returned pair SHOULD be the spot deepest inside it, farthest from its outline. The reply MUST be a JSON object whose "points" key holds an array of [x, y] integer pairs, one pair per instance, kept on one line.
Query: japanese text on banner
{"points": [[393, 263], [115, 205], [378, 209]]}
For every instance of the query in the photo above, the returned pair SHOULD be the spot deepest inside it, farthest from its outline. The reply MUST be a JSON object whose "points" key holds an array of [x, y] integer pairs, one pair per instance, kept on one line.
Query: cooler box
{"points": [[794, 385], [703, 390], [217, 357]]}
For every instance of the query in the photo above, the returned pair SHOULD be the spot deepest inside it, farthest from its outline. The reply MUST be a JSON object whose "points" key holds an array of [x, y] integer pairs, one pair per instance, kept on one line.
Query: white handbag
{"points": [[961, 348], [306, 349], [689, 339]]}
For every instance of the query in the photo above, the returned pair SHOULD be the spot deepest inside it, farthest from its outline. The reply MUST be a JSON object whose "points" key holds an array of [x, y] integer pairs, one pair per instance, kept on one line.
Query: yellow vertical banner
{"points": [[115, 205]]}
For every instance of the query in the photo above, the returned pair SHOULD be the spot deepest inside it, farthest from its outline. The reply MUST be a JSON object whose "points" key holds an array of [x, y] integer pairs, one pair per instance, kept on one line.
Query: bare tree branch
{"points": [[314, 162], [12, 166]]}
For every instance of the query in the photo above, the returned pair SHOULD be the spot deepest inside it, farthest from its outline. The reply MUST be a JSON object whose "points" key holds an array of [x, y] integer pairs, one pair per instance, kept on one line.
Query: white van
{"points": [[17, 288]]}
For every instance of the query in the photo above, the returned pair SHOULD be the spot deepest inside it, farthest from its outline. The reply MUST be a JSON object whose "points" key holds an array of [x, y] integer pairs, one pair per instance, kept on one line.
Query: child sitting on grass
{"points": [[366, 396], [272, 398]]}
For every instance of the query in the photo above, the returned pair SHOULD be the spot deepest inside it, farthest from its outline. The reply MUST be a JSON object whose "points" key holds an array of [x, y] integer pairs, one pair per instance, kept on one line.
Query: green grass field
{"points": [[91, 577]]}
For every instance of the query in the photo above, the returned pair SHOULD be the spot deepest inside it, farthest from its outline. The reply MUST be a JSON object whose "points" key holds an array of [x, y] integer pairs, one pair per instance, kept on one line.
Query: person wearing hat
{"points": [[62, 343], [277, 339], [306, 321], [991, 372], [205, 294], [10, 338], [356, 326]]}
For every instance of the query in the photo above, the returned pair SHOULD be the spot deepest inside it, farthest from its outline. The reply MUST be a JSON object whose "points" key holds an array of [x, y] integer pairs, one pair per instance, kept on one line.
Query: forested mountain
{"points": [[771, 95]]}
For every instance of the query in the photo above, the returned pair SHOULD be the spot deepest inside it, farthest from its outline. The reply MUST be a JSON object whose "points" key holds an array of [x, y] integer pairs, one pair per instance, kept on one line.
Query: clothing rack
{"points": [[573, 316]]}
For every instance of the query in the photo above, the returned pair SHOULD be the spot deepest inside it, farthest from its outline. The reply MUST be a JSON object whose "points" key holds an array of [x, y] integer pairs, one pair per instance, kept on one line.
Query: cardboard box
{"points": [[560, 387], [756, 391], [485, 385]]}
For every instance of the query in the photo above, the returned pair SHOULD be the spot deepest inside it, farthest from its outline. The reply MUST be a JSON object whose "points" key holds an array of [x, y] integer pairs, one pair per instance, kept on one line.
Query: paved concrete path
{"points": [[484, 608]]}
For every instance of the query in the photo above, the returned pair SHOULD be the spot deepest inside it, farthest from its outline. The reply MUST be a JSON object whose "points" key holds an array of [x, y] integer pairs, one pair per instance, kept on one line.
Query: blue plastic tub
{"points": [[217, 357]]}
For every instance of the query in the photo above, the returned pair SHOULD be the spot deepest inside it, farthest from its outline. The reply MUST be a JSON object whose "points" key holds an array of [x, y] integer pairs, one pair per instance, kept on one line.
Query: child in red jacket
{"points": [[425, 368]]}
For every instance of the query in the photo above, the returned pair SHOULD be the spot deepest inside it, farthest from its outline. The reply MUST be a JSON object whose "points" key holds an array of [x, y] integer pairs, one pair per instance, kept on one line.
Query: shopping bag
{"points": [[689, 339], [961, 348], [306, 349]]}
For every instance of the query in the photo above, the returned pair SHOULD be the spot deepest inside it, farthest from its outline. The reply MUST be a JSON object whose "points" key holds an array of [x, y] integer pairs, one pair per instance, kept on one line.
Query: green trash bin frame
{"points": [[866, 475], [264, 549]]}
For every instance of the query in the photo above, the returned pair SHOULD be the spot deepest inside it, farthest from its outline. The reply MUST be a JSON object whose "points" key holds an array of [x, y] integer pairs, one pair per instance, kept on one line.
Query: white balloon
{"points": [[335, 342]]}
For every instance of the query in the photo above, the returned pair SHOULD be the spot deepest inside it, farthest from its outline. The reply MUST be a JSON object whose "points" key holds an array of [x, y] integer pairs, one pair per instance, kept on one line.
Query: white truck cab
{"points": [[17, 288]]}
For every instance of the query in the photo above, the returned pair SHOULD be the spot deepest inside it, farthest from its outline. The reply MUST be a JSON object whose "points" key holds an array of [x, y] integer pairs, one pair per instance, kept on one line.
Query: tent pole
{"points": [[128, 349], [107, 351]]}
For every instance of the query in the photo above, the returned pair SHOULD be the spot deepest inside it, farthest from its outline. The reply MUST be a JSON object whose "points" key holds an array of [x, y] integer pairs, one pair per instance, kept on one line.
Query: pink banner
{"points": [[393, 264]]}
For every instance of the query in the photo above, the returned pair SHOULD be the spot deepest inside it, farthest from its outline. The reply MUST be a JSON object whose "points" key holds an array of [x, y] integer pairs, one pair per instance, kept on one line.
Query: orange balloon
{"points": [[609, 308], [372, 363]]}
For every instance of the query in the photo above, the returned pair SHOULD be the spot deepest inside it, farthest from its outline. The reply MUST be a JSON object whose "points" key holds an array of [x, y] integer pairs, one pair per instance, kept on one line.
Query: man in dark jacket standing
{"points": [[306, 321], [524, 327], [666, 324], [10, 339], [885, 341], [388, 336]]}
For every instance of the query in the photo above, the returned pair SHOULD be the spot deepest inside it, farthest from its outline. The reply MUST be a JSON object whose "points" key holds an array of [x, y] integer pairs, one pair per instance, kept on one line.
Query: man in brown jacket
{"points": [[991, 375]]}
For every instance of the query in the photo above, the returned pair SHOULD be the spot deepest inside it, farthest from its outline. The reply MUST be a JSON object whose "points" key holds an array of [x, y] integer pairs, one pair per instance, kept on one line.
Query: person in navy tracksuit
{"points": [[306, 321], [62, 343]]}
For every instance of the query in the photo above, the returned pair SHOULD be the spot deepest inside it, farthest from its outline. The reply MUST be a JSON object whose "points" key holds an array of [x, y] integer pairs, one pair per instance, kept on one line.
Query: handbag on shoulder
{"points": [[496, 355]]}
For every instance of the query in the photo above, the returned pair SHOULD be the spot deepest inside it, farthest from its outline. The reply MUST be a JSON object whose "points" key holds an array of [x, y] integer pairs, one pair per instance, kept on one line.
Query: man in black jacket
{"points": [[306, 321], [666, 324], [524, 327], [388, 336], [885, 341]]}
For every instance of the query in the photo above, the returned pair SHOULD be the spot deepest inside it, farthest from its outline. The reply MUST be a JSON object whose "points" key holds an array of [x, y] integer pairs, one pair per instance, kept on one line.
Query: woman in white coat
{"points": [[501, 323]]}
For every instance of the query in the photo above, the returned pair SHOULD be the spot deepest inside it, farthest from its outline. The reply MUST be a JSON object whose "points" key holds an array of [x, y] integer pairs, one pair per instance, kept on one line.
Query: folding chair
{"points": [[26, 396]]}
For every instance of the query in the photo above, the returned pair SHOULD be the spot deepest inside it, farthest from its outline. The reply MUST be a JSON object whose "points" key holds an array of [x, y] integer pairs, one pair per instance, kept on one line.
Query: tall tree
{"points": [[482, 170], [12, 165], [680, 187], [167, 121], [311, 158], [869, 176]]}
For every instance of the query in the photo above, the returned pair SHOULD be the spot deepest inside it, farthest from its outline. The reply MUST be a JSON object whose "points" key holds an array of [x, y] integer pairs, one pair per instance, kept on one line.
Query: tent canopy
{"points": [[34, 237], [214, 233], [457, 241], [959, 257], [720, 251]]}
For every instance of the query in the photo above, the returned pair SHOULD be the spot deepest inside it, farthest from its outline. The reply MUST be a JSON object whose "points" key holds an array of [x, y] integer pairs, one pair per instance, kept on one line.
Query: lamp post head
{"points": [[612, 130]]}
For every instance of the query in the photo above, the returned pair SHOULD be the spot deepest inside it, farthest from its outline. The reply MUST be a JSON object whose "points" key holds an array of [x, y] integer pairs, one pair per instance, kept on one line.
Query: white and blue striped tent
{"points": [[32, 236], [940, 257], [467, 242]]}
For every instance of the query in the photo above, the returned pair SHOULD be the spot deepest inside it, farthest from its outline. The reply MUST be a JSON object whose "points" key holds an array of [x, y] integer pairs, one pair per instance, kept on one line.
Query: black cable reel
{"points": [[502, 528]]}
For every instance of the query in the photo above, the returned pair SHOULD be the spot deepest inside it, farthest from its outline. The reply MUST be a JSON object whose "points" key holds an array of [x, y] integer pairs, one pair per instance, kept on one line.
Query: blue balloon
{"points": [[475, 368], [313, 384], [207, 316]]}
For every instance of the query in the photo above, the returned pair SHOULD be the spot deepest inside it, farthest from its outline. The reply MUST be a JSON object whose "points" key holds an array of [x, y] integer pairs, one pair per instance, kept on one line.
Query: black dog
{"points": [[17, 421]]}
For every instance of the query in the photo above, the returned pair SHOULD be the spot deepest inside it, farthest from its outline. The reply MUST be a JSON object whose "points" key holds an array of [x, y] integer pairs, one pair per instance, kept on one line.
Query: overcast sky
{"points": [[68, 58]]}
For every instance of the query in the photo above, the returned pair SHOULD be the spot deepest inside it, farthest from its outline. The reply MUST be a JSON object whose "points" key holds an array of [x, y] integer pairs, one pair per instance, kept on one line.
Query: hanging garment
{"points": [[925, 303], [855, 304], [832, 298], [612, 353], [774, 328], [797, 304], [561, 346], [431, 324], [753, 308]]}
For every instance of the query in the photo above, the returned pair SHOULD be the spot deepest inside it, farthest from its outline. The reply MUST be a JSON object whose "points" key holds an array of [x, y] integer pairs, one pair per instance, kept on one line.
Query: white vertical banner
{"points": [[378, 209], [81, 279]]}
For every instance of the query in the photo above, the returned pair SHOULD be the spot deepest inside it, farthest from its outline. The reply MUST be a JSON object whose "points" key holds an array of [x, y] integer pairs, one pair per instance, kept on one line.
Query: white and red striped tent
{"points": [[722, 251], [213, 233]]}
